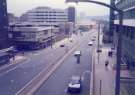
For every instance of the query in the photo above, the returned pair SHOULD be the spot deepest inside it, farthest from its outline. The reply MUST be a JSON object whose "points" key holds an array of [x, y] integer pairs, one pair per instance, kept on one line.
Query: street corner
{"points": [[18, 59]]}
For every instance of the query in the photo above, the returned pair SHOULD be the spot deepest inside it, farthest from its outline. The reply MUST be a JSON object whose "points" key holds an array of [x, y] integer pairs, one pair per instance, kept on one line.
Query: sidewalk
{"points": [[17, 59], [104, 76], [127, 82]]}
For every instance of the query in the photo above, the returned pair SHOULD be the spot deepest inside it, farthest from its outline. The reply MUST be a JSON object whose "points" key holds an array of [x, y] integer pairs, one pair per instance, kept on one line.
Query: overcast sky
{"points": [[18, 7]]}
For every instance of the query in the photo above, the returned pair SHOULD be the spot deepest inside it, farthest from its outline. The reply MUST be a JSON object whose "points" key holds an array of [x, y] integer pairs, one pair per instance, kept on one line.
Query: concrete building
{"points": [[4, 42], [128, 48], [30, 37], [45, 15], [12, 18], [3, 25], [67, 28], [71, 14]]}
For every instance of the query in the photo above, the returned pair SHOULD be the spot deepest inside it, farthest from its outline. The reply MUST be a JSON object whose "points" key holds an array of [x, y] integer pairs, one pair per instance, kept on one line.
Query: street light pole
{"points": [[119, 51], [98, 50], [51, 36], [98, 35]]}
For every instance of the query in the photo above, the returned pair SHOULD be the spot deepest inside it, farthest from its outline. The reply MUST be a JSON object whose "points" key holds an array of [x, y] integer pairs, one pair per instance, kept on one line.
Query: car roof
{"points": [[90, 42], [78, 52], [75, 78]]}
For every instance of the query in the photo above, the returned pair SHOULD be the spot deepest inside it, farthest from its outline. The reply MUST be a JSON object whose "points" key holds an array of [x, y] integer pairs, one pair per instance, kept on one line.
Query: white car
{"points": [[75, 85], [77, 53], [90, 43]]}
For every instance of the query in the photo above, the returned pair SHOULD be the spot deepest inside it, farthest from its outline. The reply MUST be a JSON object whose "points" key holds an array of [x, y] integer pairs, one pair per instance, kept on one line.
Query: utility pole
{"points": [[51, 36], [119, 51], [98, 35], [111, 21]]}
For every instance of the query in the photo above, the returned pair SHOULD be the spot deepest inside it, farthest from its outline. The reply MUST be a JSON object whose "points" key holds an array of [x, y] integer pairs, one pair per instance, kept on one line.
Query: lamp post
{"points": [[119, 47], [51, 36]]}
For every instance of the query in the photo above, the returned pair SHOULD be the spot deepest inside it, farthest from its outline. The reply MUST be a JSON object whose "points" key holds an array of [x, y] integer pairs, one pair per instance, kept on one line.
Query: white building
{"points": [[47, 15]]}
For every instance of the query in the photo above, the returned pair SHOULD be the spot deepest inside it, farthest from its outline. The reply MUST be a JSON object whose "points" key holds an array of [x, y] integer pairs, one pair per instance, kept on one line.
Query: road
{"points": [[57, 83], [15, 77]]}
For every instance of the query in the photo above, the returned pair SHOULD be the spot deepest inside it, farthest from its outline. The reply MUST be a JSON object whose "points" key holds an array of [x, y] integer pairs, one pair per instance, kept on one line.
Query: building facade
{"points": [[4, 41], [71, 14], [3, 25], [128, 51], [30, 38], [46, 15]]}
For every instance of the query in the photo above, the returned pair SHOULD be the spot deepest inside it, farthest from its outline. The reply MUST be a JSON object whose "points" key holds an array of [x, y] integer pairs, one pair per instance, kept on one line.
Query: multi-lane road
{"points": [[56, 64]]}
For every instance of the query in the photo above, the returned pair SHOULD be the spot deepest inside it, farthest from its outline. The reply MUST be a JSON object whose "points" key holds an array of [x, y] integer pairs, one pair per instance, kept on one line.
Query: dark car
{"points": [[92, 39], [62, 45], [90, 43], [75, 85]]}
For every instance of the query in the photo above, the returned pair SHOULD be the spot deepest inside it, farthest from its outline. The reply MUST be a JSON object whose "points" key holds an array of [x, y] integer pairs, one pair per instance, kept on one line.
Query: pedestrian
{"points": [[106, 63]]}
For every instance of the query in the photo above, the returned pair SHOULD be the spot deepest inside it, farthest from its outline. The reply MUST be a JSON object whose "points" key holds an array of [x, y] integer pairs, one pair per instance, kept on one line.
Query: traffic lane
{"points": [[41, 59], [18, 78], [21, 72], [35, 55], [31, 54], [57, 83]]}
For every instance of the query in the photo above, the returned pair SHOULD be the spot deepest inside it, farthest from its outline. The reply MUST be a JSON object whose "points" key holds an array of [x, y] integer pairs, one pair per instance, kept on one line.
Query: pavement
{"points": [[104, 76], [127, 82], [17, 59]]}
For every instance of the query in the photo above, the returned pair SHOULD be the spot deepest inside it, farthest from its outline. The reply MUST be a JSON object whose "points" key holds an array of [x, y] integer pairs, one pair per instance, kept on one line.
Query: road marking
{"points": [[11, 81], [65, 90], [25, 72]]}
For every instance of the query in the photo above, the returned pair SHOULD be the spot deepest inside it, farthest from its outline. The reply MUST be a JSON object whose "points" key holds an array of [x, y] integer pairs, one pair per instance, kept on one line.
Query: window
{"points": [[132, 33], [128, 31]]}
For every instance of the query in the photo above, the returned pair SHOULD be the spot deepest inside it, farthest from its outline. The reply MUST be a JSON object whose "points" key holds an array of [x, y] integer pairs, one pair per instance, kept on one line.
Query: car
{"points": [[92, 39], [62, 45], [90, 43], [71, 41], [99, 50], [77, 53], [75, 84], [94, 36]]}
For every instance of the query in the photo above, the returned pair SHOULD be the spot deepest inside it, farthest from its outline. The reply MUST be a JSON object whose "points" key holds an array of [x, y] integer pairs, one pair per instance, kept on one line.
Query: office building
{"points": [[71, 14], [46, 15], [128, 41], [26, 37], [4, 42], [3, 25]]}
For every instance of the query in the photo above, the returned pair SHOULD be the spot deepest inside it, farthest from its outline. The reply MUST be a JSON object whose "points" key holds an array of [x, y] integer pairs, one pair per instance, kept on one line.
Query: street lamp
{"points": [[119, 47], [51, 36]]}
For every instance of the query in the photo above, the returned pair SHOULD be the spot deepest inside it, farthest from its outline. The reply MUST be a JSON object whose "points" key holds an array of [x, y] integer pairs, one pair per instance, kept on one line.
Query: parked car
{"points": [[75, 84]]}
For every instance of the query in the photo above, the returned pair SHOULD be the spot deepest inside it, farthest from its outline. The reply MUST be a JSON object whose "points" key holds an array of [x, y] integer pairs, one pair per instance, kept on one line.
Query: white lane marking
{"points": [[65, 90], [25, 72], [11, 81]]}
